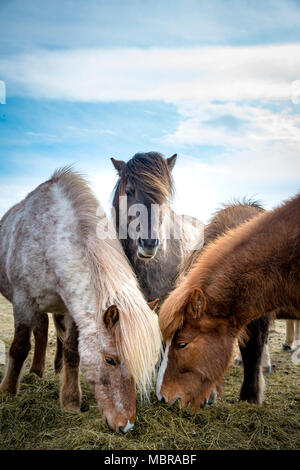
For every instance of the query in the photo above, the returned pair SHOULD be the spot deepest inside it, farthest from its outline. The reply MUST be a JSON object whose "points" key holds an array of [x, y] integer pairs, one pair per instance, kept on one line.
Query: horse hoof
{"points": [[6, 389], [286, 347], [38, 372], [72, 406]]}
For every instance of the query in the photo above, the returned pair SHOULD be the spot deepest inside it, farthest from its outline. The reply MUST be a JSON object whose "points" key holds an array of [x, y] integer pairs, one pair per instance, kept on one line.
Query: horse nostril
{"points": [[150, 243], [120, 429], [163, 400]]}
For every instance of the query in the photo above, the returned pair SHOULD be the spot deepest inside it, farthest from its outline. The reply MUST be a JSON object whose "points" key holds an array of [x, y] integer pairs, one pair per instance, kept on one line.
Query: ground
{"points": [[35, 420]]}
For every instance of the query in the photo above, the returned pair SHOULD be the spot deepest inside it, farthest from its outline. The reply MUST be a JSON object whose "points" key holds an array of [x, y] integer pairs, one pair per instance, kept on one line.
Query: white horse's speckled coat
{"points": [[52, 261]]}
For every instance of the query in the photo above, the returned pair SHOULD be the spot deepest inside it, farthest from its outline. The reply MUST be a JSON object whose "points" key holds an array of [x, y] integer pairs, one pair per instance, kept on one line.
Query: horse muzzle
{"points": [[120, 428], [147, 248]]}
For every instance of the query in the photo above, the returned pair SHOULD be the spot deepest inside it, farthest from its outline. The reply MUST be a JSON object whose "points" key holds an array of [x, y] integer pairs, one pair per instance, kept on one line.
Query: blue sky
{"points": [[216, 82]]}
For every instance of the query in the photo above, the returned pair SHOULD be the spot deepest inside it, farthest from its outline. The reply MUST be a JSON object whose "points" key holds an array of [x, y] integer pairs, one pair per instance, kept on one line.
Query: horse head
{"points": [[197, 352], [146, 184]]}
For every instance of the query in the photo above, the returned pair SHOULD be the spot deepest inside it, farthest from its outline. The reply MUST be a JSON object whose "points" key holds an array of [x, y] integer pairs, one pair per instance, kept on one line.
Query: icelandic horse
{"points": [[254, 350], [54, 259], [240, 277]]}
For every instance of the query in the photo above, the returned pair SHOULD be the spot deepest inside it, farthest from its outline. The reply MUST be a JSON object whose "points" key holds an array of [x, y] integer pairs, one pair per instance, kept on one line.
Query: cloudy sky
{"points": [[216, 82]]}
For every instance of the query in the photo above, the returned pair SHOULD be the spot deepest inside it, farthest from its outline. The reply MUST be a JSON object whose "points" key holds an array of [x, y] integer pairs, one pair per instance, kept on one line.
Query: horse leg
{"points": [[60, 330], [238, 361], [266, 359], [296, 342], [289, 338], [40, 332], [70, 391], [253, 385], [18, 352], [58, 361]]}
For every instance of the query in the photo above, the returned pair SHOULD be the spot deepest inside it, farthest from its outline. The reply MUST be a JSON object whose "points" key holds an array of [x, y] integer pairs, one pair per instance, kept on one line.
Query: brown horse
{"points": [[254, 349], [53, 259], [249, 271]]}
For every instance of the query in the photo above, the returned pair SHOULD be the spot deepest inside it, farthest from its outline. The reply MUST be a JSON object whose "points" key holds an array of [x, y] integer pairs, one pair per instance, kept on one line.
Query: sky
{"points": [[216, 82]]}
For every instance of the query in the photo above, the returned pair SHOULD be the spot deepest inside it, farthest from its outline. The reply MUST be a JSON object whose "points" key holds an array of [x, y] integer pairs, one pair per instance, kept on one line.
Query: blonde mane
{"points": [[138, 337], [201, 273]]}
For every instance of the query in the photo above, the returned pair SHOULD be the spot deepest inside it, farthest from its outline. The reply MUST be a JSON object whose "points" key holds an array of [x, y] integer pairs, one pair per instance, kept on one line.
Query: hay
{"points": [[35, 420]]}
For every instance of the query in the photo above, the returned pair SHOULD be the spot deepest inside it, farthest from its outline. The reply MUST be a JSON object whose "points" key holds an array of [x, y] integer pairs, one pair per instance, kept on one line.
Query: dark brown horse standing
{"points": [[249, 271], [146, 182]]}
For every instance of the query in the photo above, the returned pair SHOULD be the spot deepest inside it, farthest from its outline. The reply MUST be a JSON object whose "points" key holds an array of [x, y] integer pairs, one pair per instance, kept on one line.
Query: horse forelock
{"points": [[138, 338], [150, 174], [171, 314]]}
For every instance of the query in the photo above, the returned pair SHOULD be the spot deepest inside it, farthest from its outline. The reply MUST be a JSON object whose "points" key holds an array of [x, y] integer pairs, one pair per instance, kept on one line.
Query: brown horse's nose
{"points": [[163, 400], [120, 428]]}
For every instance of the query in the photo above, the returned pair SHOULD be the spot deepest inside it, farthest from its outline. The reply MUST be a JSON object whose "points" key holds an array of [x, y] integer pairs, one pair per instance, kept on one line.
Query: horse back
{"points": [[229, 217]]}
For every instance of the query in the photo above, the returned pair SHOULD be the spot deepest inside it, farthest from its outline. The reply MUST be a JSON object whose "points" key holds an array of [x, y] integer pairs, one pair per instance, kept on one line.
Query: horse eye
{"points": [[181, 345], [129, 192], [110, 361]]}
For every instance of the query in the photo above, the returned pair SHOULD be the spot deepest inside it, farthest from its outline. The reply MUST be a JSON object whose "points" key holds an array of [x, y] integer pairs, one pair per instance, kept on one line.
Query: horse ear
{"points": [[154, 304], [171, 161], [119, 165], [111, 316], [196, 305]]}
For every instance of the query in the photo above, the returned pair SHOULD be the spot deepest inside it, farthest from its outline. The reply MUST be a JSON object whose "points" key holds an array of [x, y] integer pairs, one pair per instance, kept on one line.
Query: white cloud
{"points": [[259, 146], [259, 154], [206, 73], [202, 187], [239, 125]]}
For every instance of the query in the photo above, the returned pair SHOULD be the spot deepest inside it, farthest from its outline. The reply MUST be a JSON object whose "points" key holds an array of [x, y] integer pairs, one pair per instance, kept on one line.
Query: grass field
{"points": [[35, 420]]}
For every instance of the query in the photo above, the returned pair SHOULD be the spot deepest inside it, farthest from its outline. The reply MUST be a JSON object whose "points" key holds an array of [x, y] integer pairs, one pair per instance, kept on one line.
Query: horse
{"points": [[54, 259], [251, 270], [254, 350], [165, 238]]}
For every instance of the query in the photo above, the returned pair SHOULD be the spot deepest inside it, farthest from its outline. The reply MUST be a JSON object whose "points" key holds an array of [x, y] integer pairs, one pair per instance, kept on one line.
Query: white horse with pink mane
{"points": [[52, 261]]}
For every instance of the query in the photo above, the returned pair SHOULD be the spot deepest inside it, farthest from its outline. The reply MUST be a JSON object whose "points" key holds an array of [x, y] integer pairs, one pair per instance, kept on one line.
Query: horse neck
{"points": [[245, 295]]}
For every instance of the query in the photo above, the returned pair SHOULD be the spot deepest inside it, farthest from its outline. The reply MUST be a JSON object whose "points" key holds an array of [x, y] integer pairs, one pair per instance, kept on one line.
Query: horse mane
{"points": [[243, 201], [138, 338], [150, 174], [172, 310]]}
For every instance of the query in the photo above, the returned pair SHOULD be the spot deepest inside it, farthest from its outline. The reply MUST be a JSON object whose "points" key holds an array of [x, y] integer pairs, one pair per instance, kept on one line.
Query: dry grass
{"points": [[35, 420]]}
